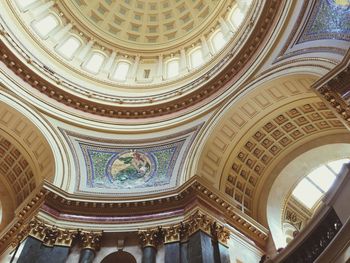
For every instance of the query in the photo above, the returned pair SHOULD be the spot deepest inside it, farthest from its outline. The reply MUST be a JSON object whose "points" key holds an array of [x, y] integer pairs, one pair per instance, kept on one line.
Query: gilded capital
{"points": [[220, 233], [172, 234], [91, 240], [151, 237], [199, 221], [51, 235]]}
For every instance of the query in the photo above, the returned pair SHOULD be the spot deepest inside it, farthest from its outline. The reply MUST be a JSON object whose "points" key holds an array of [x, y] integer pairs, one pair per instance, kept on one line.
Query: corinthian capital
{"points": [[91, 240], [151, 237]]}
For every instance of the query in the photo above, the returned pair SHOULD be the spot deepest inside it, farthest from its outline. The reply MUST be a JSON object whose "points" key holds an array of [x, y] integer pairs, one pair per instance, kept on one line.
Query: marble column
{"points": [[200, 248], [149, 254], [149, 240], [46, 243], [91, 242], [35, 251], [172, 252], [184, 252]]}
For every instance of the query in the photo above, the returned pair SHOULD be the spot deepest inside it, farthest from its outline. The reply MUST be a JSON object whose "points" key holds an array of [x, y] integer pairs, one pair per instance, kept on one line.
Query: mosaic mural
{"points": [[330, 19], [129, 168]]}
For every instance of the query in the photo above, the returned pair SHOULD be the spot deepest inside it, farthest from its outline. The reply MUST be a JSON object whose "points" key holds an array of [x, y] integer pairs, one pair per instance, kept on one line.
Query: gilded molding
{"points": [[192, 195]]}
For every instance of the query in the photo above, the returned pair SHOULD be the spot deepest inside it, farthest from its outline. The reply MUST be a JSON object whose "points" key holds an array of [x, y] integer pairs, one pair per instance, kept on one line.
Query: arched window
{"points": [[121, 71], [196, 58], [119, 256], [45, 25], [69, 46], [172, 68], [95, 62], [312, 187], [218, 41], [236, 17]]}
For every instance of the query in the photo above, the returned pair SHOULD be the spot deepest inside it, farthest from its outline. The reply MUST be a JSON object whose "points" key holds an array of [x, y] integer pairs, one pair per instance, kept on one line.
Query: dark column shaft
{"points": [[184, 252], [35, 251], [172, 252], [87, 255], [200, 248], [149, 255]]}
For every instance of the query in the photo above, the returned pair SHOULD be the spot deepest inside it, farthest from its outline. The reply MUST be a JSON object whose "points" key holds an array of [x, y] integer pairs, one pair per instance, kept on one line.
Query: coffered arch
{"points": [[238, 116], [273, 119], [30, 153]]}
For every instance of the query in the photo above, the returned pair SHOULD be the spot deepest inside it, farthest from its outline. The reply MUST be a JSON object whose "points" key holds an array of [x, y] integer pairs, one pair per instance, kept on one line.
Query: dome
{"points": [[161, 56]]}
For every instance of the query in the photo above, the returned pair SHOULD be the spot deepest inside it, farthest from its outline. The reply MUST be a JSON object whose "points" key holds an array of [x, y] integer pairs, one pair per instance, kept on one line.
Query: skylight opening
{"points": [[218, 41], [196, 58], [173, 68], [337, 165], [307, 193], [121, 71], [322, 177], [94, 63], [45, 25], [310, 189], [68, 48]]}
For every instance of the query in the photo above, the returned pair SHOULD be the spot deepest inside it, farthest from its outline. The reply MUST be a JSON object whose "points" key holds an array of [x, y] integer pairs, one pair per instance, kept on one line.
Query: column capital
{"points": [[151, 237], [51, 235], [220, 233], [91, 240], [199, 221]]}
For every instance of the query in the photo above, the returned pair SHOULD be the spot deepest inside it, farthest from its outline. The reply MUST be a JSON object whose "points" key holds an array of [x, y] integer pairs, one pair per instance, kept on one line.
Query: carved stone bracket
{"points": [[91, 240]]}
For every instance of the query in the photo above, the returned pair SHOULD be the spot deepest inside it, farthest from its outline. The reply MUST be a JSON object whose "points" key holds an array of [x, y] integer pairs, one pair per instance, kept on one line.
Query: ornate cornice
{"points": [[64, 213], [177, 203], [213, 87]]}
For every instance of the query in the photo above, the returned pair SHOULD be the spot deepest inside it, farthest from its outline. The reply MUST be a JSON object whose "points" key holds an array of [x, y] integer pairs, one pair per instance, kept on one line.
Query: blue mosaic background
{"points": [[127, 168], [330, 19]]}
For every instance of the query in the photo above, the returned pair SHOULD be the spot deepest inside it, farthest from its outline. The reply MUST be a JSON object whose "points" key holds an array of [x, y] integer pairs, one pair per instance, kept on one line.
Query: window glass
{"points": [[23, 4], [196, 58], [307, 193], [237, 17], [45, 25], [172, 68], [94, 63], [69, 47], [121, 71], [218, 41], [337, 165], [322, 177]]}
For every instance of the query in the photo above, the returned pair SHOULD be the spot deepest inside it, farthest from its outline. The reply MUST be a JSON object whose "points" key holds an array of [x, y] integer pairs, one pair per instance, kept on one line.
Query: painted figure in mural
{"points": [[131, 166]]}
